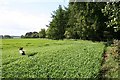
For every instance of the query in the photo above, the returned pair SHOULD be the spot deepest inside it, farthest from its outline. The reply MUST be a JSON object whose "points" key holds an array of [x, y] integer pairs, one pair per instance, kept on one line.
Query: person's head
{"points": [[21, 48]]}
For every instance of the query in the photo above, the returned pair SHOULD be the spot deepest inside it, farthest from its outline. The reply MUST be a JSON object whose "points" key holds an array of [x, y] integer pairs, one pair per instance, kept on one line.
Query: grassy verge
{"points": [[110, 66]]}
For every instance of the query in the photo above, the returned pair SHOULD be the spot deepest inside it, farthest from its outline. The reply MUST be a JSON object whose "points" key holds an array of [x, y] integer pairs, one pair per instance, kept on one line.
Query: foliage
{"points": [[31, 35], [22, 36], [56, 28], [68, 33], [85, 20], [42, 33], [112, 11], [7, 37], [52, 33], [51, 58]]}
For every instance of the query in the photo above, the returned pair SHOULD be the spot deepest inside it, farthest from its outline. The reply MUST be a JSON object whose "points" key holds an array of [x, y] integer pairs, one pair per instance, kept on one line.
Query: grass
{"points": [[51, 58], [110, 65]]}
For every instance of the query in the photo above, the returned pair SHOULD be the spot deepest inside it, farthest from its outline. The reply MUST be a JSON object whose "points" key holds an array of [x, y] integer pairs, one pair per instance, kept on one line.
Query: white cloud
{"points": [[20, 16], [22, 20], [3, 2], [17, 21]]}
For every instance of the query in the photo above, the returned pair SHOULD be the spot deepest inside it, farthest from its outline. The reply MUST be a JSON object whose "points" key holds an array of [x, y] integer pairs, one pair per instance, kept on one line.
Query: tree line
{"points": [[9, 37], [84, 20], [6, 37], [40, 34]]}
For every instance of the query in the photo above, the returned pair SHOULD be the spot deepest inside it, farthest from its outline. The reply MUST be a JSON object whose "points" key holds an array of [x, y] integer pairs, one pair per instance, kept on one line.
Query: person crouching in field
{"points": [[21, 51]]}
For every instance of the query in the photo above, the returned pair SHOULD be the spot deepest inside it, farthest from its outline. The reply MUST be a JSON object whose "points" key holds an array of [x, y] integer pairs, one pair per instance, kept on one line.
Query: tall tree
{"points": [[57, 26], [87, 20]]}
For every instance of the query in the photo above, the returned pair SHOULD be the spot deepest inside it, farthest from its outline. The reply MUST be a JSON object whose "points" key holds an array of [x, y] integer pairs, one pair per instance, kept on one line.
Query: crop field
{"points": [[51, 58]]}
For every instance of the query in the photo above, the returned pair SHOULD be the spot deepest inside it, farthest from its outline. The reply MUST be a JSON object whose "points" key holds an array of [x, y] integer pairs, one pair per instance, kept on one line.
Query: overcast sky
{"points": [[20, 16]]}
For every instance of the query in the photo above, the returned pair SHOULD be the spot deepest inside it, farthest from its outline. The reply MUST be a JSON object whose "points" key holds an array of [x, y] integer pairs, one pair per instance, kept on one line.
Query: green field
{"points": [[51, 58]]}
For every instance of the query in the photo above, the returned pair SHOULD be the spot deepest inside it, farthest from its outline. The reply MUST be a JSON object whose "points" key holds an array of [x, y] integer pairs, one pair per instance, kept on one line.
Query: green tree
{"points": [[56, 28], [86, 20], [28, 35], [35, 35], [22, 36], [52, 33], [112, 11], [7, 36], [42, 33], [31, 35]]}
